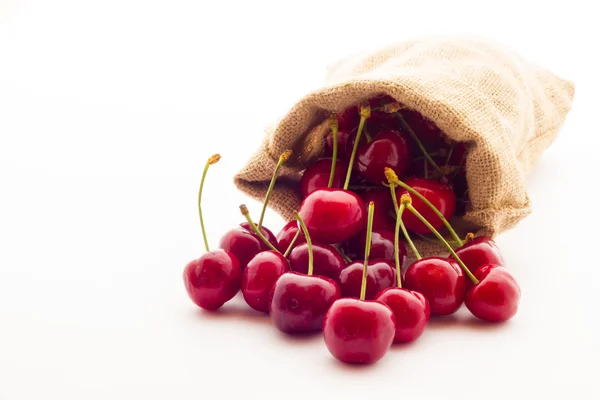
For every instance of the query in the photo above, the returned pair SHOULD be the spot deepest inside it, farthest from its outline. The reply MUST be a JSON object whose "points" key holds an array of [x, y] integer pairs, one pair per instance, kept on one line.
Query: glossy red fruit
{"points": [[480, 251], [316, 176], [379, 117], [411, 310], [348, 119], [299, 302], [327, 260], [359, 332], [286, 235], [382, 246], [426, 130], [243, 244], [266, 233], [342, 137], [440, 280], [380, 275], [388, 149], [383, 217], [260, 276], [439, 194], [332, 215], [496, 297], [213, 279]]}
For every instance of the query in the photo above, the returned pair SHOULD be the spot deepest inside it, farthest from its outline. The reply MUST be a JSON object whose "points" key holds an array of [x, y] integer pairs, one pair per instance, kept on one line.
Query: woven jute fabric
{"points": [[507, 109]]}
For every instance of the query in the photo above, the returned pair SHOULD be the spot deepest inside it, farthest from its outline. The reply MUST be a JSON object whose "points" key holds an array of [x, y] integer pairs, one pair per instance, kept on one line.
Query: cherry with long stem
{"points": [[257, 232], [393, 179], [282, 159], [211, 160], [365, 113], [333, 122]]}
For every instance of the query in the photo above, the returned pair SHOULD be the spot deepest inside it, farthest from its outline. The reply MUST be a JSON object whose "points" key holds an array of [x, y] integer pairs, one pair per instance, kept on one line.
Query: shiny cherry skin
{"points": [[333, 215], [299, 302], [411, 310], [388, 149], [266, 233], [440, 280], [440, 195], [243, 244], [380, 275], [382, 245], [213, 279], [480, 251], [383, 215], [286, 235], [496, 297], [316, 176], [359, 332], [327, 260], [342, 138], [260, 276], [348, 119]]}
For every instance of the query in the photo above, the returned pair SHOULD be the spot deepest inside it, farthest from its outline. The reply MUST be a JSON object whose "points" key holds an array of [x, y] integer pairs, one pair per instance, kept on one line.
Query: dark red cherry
{"points": [[411, 310], [243, 244], [388, 149], [384, 207], [213, 279], [380, 275], [357, 331], [480, 251], [348, 119], [382, 245], [266, 233], [260, 276], [316, 176], [299, 302], [327, 260], [439, 194], [426, 130], [286, 235], [342, 137], [440, 280], [332, 215], [381, 118], [421, 168], [496, 297]]}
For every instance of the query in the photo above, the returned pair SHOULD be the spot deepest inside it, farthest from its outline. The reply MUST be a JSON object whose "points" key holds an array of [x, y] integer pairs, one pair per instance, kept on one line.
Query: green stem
{"points": [[212, 160], [341, 253], [412, 134], [400, 223], [308, 243], [444, 242], [425, 172], [292, 243], [450, 153], [282, 159], [365, 112], [334, 132], [257, 232], [394, 199], [363, 288], [430, 240]]}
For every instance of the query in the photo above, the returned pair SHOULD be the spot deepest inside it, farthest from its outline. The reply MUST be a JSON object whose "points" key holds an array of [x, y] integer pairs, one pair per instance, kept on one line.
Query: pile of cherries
{"points": [[340, 265]]}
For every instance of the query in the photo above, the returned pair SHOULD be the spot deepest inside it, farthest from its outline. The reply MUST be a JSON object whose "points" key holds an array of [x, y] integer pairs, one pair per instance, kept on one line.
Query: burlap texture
{"points": [[476, 91]]}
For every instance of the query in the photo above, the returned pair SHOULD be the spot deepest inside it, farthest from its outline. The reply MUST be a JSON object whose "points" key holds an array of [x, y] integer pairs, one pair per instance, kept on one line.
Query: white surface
{"points": [[108, 110]]}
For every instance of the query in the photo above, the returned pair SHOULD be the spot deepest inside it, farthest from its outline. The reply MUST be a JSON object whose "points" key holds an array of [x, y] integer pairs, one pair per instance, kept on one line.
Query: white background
{"points": [[108, 110]]}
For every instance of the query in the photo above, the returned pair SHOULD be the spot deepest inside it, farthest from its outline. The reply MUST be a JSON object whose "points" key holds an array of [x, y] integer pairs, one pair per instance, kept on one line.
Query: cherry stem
{"points": [[257, 232], [444, 242], [211, 160], [282, 159], [425, 172], [394, 199], [430, 240], [308, 242], [450, 153], [365, 112], [363, 288], [419, 144], [292, 243], [343, 254], [400, 223], [393, 178], [334, 132]]}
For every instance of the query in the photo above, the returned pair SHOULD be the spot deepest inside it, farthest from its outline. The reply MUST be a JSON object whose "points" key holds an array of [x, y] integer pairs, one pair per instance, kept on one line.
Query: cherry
{"points": [[327, 260], [260, 276], [388, 149], [348, 119], [382, 117], [245, 245], [384, 207], [496, 297], [479, 251], [299, 302], [316, 176], [358, 331], [342, 138], [382, 245], [286, 236], [215, 277]]}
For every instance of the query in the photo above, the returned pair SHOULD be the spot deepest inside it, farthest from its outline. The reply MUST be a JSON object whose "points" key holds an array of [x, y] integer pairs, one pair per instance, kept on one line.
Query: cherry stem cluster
{"points": [[255, 229], [308, 242], [282, 159], [211, 160], [365, 112], [363, 287]]}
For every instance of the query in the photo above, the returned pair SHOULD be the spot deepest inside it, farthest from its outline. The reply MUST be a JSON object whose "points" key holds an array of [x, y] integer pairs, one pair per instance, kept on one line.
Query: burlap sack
{"points": [[476, 91]]}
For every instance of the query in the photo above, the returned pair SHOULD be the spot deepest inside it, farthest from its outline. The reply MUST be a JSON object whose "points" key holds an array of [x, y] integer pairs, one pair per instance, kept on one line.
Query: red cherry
{"points": [[243, 244], [479, 251], [299, 302], [332, 215], [384, 207], [411, 310], [213, 279], [380, 275], [388, 149], [316, 176], [327, 260], [426, 130], [342, 137], [260, 276], [440, 280], [287, 234], [357, 331], [439, 194], [379, 117], [382, 245], [496, 297], [348, 119]]}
